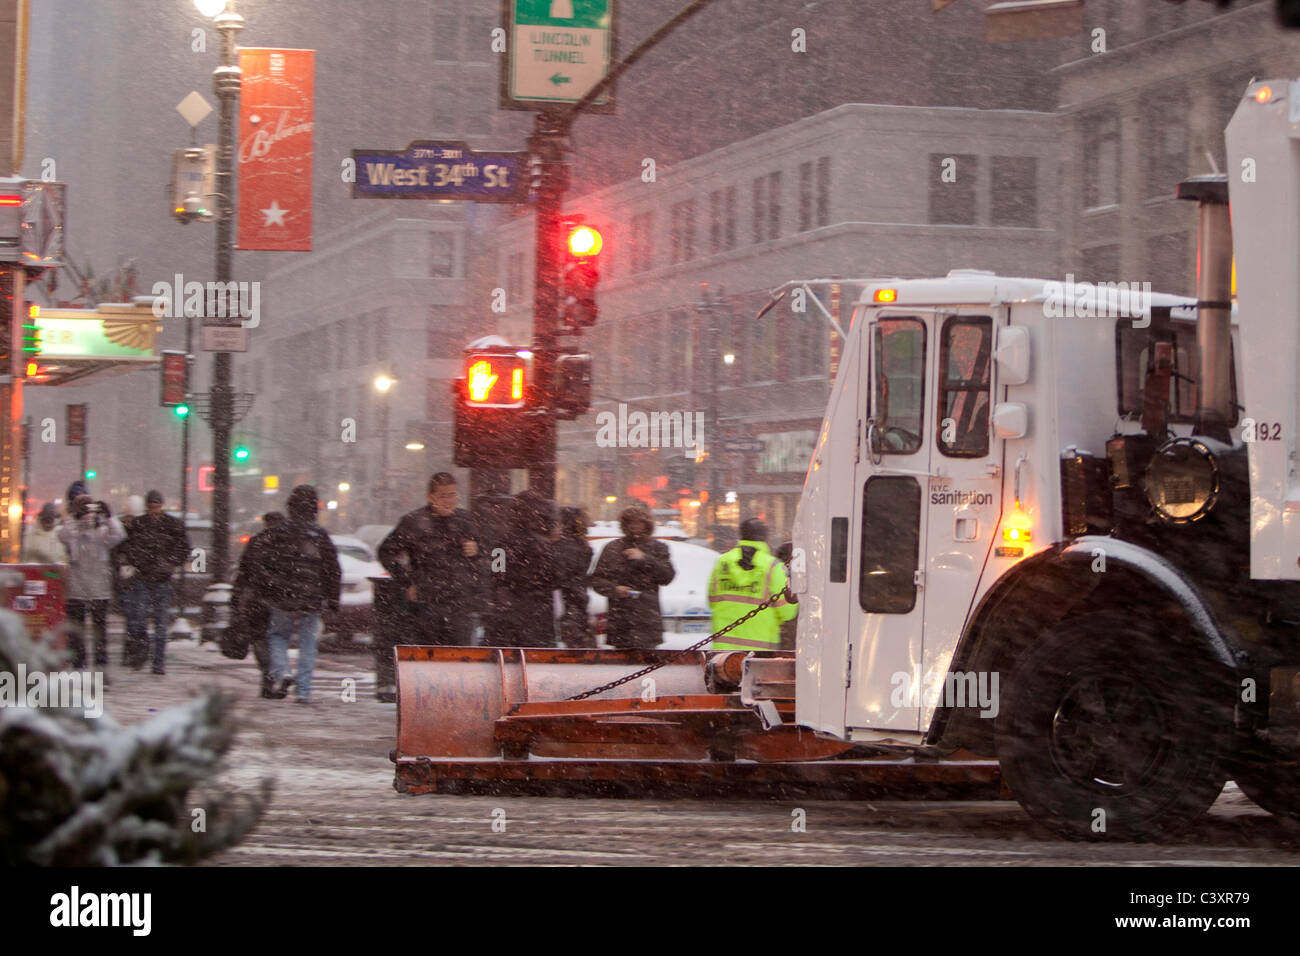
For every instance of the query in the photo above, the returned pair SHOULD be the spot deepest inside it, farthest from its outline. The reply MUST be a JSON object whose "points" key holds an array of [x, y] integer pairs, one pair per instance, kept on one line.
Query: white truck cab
{"points": [[1052, 521]]}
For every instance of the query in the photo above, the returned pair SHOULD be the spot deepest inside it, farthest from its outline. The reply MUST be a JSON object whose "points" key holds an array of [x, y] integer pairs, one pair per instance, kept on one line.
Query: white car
{"points": [[356, 603], [684, 602]]}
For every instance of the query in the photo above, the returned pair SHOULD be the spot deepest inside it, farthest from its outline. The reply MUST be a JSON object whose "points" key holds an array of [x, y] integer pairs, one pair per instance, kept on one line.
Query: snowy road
{"points": [[335, 805]]}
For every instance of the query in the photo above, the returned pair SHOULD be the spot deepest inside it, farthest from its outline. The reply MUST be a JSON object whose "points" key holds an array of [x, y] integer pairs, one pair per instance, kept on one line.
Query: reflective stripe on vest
{"points": [[727, 642]]}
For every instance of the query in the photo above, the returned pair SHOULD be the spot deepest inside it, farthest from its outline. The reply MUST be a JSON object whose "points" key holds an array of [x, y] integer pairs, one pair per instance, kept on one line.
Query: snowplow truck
{"points": [[1051, 523]]}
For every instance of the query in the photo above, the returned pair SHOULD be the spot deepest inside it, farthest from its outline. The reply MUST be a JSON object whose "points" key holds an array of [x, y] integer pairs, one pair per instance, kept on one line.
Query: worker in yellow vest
{"points": [[744, 577]]}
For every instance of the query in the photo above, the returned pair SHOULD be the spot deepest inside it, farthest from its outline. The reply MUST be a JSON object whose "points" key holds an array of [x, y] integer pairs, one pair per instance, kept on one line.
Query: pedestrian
{"points": [[630, 572], [89, 537], [250, 617], [746, 576], [42, 545], [156, 547], [573, 561], [295, 572], [433, 554], [526, 582]]}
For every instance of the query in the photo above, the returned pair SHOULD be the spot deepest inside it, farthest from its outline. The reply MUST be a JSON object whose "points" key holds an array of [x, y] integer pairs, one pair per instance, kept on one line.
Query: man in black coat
{"points": [[525, 584], [156, 546], [433, 553], [630, 572]]}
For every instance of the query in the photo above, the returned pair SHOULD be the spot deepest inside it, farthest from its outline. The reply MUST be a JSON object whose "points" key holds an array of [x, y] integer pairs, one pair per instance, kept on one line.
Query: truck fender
{"points": [[1019, 595]]}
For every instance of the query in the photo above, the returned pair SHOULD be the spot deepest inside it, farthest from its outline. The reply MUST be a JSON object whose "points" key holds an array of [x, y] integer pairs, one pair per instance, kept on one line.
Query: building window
{"points": [[760, 208], [1166, 149], [436, 397], [824, 191], [1100, 160], [682, 239], [729, 219], [1101, 263], [953, 179], [642, 241], [442, 255], [805, 196], [773, 205], [1015, 190], [715, 221]]}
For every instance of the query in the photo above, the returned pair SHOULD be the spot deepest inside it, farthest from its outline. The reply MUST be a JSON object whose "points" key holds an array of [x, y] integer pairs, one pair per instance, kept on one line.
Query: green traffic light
{"points": [[241, 453], [181, 411], [90, 473]]}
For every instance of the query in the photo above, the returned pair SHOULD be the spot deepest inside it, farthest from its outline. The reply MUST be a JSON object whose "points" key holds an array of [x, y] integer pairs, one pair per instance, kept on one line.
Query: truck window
{"points": [[963, 425], [891, 540], [898, 382], [1133, 356]]}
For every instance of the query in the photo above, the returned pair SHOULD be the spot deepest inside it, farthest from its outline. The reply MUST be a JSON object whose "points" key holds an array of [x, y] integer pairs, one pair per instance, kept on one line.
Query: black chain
{"points": [[779, 595]]}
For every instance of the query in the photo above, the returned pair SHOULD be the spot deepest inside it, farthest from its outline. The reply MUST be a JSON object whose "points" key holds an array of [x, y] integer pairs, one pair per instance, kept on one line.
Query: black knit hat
{"points": [[753, 529], [302, 503]]}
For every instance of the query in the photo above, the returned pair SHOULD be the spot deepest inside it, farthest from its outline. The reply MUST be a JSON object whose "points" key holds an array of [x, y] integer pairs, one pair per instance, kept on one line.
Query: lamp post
{"points": [[383, 385], [225, 84]]}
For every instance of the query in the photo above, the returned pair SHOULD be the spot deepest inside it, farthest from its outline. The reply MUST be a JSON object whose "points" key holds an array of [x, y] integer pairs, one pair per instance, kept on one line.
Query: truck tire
{"points": [[1275, 788], [1108, 732]]}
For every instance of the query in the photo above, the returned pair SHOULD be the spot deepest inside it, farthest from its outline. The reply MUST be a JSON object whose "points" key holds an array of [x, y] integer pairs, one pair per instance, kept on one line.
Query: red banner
{"points": [[276, 121]]}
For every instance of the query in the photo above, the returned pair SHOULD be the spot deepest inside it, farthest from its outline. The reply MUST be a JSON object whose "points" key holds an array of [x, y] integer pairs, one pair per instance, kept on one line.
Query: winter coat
{"points": [[435, 563], [572, 559], [743, 578], [633, 621], [293, 566], [525, 592], [156, 545], [44, 547], [89, 541]]}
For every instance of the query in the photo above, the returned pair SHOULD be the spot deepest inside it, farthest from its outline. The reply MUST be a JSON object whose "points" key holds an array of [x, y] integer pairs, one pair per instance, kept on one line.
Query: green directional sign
{"points": [[559, 49]]}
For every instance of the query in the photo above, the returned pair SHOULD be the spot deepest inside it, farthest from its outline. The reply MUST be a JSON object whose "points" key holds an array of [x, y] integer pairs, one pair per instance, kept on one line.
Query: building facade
{"points": [[692, 252]]}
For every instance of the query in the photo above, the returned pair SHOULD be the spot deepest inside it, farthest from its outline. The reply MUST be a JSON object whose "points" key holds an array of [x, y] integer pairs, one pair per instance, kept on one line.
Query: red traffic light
{"points": [[497, 379], [584, 241]]}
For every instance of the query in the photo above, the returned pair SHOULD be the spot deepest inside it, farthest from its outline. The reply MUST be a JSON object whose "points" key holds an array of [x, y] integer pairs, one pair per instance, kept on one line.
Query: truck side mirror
{"points": [[1012, 355], [1011, 420]]}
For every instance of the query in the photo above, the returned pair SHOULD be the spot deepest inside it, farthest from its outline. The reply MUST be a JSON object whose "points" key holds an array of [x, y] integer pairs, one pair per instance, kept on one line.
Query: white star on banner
{"points": [[274, 215]]}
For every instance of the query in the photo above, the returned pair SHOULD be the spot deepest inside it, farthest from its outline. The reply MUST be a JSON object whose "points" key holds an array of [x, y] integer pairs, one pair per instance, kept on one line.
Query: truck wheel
{"points": [[1275, 788], [1107, 732]]}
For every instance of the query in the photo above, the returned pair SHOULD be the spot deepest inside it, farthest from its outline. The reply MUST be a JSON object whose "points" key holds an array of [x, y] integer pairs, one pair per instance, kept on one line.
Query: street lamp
{"points": [[226, 81], [383, 385]]}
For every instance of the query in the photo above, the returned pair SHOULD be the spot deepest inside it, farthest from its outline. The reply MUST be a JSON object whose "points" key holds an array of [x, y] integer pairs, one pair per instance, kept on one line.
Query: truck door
{"points": [[886, 548], [963, 500]]}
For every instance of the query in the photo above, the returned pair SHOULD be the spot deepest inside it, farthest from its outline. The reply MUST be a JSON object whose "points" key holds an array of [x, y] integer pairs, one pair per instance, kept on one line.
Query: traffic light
{"points": [[31, 339], [240, 453], [582, 247], [181, 411], [91, 474], [572, 384], [496, 423], [193, 183]]}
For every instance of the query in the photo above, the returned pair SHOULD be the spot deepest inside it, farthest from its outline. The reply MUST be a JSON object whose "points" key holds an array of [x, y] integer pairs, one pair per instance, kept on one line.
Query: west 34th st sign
{"points": [[440, 170]]}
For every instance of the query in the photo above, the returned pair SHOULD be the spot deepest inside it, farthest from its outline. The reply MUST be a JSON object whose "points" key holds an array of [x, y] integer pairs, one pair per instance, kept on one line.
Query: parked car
{"points": [[684, 602], [356, 603], [371, 535]]}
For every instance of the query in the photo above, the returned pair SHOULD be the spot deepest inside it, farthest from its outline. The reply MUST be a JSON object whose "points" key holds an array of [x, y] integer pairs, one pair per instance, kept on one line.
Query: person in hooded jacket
{"points": [[630, 572], [42, 544], [294, 568], [89, 537], [525, 584], [251, 617], [573, 560]]}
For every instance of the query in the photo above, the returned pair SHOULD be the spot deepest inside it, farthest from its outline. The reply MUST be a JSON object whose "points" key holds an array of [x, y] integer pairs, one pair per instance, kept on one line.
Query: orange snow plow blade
{"points": [[449, 699]]}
